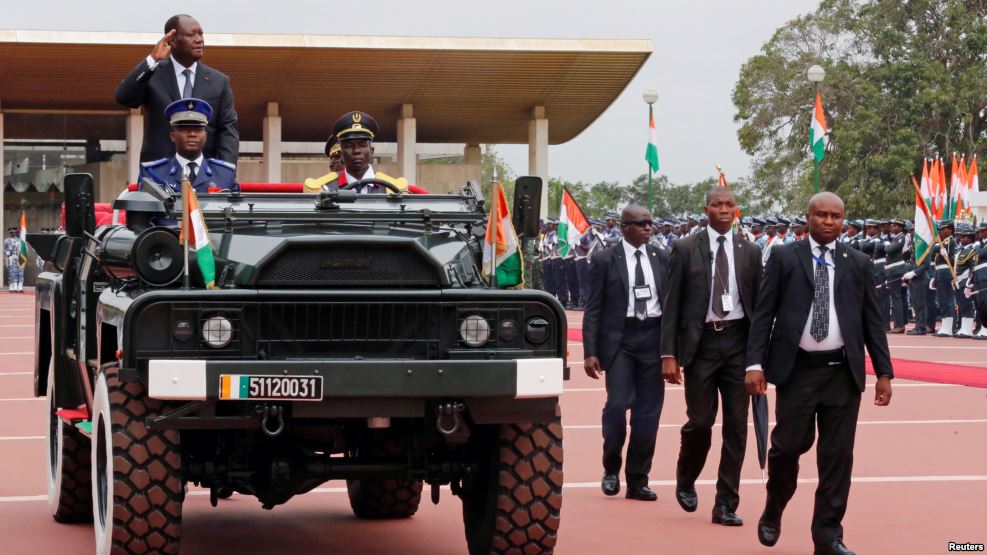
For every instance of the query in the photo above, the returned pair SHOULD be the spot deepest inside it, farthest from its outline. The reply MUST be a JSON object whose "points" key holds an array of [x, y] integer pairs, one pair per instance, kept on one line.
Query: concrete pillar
{"points": [[272, 144], [135, 138], [407, 144], [474, 163], [538, 152]]}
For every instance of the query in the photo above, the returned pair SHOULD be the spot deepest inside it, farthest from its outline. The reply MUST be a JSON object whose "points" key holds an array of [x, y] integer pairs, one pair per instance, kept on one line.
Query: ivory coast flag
{"points": [[925, 229], [955, 192], [651, 154], [22, 254], [817, 133], [509, 271], [943, 192], [973, 184], [199, 237], [926, 188], [572, 223]]}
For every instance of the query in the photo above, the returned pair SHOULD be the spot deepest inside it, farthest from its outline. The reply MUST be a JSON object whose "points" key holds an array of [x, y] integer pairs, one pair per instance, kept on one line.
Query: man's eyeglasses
{"points": [[639, 223]]}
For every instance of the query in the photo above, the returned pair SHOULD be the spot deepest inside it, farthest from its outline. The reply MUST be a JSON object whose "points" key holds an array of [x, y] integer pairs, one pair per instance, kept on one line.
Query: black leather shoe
{"points": [[897, 330], [916, 331], [768, 530], [687, 499], [641, 493], [610, 484], [835, 548], [726, 517]]}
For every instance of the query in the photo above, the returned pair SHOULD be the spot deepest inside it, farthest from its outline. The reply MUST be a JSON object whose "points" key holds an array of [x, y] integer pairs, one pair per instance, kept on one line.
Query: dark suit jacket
{"points": [[606, 310], [688, 290], [786, 298], [155, 90]]}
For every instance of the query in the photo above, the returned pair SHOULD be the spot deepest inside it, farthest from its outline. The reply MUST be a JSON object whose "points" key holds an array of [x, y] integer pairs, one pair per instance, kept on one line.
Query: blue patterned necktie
{"points": [[820, 303]]}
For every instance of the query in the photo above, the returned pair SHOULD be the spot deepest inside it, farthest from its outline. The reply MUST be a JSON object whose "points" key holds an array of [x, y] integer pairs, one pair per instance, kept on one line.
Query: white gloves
{"points": [[968, 292], [932, 285], [908, 276]]}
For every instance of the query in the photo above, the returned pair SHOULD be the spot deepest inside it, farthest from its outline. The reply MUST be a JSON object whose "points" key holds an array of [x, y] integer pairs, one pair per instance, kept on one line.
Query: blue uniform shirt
{"points": [[168, 172]]}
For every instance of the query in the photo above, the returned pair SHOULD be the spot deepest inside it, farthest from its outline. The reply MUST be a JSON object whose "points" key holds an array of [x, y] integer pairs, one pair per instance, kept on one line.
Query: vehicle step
{"points": [[71, 415]]}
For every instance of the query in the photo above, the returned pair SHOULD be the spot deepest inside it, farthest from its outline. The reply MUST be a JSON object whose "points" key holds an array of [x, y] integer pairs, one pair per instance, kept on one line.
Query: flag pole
{"points": [[186, 227], [494, 213], [651, 185]]}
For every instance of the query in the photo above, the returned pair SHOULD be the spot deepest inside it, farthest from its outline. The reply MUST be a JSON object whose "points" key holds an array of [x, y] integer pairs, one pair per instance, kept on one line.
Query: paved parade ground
{"points": [[920, 477]]}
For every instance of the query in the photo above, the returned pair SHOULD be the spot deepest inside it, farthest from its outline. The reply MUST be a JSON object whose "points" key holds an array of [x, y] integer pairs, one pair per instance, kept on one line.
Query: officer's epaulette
{"points": [[223, 163], [154, 163], [315, 184]]}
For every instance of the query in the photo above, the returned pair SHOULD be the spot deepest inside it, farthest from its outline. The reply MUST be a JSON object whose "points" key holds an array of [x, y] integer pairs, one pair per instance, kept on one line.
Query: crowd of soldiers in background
{"points": [[940, 288]]}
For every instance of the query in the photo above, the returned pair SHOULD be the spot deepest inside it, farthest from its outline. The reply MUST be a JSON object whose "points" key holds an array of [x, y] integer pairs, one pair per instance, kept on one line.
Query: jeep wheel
{"points": [[136, 478], [388, 497], [69, 490], [512, 505]]}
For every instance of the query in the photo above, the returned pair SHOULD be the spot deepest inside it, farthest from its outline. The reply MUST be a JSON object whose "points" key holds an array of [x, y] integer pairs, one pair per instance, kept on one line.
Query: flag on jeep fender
{"points": [[199, 237], [508, 265], [22, 255]]}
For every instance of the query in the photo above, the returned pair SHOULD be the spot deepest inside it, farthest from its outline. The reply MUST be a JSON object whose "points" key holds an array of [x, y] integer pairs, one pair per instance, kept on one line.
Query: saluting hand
{"points": [[755, 383], [670, 370], [882, 391], [592, 367], [163, 48]]}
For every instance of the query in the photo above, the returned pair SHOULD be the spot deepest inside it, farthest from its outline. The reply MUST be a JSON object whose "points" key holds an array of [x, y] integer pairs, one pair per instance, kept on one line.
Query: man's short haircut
{"points": [[717, 190], [172, 22]]}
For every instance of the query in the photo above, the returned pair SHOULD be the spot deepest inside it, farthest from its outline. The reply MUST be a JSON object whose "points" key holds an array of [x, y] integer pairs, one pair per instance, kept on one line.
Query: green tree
{"points": [[904, 80]]}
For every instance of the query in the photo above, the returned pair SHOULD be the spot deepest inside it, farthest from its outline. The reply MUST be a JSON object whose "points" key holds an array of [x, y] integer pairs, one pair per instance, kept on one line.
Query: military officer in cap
{"points": [[895, 267], [976, 286], [943, 279], [918, 278], [966, 259], [853, 234], [11, 255], [355, 132], [612, 233], [188, 118]]}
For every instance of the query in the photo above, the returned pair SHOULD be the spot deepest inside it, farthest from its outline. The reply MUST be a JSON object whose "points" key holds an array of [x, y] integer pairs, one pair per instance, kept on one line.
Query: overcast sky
{"points": [[699, 46]]}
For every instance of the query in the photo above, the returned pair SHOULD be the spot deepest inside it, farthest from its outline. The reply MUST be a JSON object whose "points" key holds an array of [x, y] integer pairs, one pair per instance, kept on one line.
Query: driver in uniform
{"points": [[355, 133]]}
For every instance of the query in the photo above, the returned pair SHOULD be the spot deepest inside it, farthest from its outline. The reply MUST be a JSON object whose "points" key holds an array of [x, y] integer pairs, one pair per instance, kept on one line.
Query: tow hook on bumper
{"points": [[272, 420], [448, 412]]}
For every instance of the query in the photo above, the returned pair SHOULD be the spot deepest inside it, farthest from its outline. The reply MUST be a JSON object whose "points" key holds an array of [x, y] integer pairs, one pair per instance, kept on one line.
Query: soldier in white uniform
{"points": [[11, 255]]}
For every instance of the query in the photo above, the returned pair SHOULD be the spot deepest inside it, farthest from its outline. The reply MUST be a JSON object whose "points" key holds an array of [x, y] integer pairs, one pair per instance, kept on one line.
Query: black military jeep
{"points": [[348, 337]]}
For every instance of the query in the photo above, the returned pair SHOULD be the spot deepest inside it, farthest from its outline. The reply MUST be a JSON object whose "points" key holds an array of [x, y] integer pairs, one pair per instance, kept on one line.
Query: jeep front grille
{"points": [[355, 265]]}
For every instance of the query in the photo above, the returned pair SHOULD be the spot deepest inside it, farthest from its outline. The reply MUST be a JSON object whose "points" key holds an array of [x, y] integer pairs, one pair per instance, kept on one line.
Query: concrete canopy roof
{"points": [[463, 90]]}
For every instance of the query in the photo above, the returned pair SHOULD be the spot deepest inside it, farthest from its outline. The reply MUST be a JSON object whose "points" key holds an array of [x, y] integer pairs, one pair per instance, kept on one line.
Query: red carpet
{"points": [[920, 370]]}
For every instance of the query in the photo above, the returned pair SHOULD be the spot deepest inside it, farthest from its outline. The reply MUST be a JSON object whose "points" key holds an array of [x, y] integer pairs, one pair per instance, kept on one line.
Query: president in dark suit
{"points": [[816, 313], [174, 71], [712, 291], [621, 336]]}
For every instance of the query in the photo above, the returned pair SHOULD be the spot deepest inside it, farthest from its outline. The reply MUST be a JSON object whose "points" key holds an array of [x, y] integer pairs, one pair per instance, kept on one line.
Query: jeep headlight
{"points": [[217, 331], [475, 330]]}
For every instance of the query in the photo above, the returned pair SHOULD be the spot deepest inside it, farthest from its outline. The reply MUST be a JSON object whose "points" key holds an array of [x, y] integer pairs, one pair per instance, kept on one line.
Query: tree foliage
{"points": [[904, 80]]}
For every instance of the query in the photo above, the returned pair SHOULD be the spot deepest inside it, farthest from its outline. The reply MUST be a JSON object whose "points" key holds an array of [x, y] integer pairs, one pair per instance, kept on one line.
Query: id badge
{"points": [[642, 293], [727, 300]]}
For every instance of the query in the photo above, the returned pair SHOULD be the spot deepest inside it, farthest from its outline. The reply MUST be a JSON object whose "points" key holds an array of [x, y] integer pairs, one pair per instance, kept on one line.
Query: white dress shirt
{"points": [[738, 311], [653, 306], [185, 162], [179, 68], [834, 340], [370, 174]]}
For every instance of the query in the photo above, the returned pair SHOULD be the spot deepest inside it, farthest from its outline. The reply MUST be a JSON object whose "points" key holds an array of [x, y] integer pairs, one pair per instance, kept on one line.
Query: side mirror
{"points": [[527, 205], [80, 208]]}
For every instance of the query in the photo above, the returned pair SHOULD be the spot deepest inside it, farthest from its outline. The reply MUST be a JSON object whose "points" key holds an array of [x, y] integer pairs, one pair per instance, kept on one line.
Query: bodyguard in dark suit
{"points": [[711, 293], [816, 312], [621, 337], [174, 71]]}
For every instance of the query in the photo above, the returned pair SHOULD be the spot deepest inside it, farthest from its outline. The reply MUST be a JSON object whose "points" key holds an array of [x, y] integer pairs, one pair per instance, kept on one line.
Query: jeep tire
{"points": [[513, 503], [383, 498], [69, 474], [136, 472]]}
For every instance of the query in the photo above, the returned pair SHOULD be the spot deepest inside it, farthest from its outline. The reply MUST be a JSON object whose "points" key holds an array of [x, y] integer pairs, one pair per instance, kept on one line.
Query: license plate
{"points": [[270, 388]]}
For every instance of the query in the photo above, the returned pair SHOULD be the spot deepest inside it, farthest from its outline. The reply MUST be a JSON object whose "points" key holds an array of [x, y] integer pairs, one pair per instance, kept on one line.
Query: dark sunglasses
{"points": [[639, 223]]}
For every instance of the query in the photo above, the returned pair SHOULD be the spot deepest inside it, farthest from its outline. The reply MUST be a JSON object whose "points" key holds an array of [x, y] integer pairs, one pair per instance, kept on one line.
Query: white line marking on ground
{"points": [[662, 483], [20, 438], [17, 337], [679, 387], [16, 373], [23, 399], [18, 353], [859, 423], [16, 325]]}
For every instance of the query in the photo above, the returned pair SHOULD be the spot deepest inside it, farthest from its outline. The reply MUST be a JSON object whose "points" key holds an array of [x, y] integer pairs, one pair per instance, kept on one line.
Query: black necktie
{"points": [[191, 172], [187, 88], [820, 303], [721, 278], [640, 305]]}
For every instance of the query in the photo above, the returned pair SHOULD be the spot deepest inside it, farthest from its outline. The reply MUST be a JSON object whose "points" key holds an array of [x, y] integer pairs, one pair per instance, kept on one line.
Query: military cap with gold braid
{"points": [[332, 147], [355, 125]]}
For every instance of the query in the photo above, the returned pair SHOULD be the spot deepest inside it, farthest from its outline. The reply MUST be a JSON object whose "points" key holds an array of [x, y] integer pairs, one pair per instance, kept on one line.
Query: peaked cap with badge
{"points": [[351, 126]]}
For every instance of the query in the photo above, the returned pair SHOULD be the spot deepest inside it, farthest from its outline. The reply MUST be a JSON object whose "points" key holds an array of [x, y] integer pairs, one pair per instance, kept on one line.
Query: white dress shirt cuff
{"points": [[755, 367], [151, 62]]}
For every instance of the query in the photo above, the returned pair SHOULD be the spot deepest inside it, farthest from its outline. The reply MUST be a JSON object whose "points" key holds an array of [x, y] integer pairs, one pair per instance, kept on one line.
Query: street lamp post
{"points": [[651, 96], [816, 74]]}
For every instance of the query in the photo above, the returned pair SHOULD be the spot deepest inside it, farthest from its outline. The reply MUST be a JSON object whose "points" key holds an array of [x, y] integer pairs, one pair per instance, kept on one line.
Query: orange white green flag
{"points": [[817, 132], [572, 223], [651, 153], [973, 184], [925, 229], [22, 254], [505, 267], [195, 232]]}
